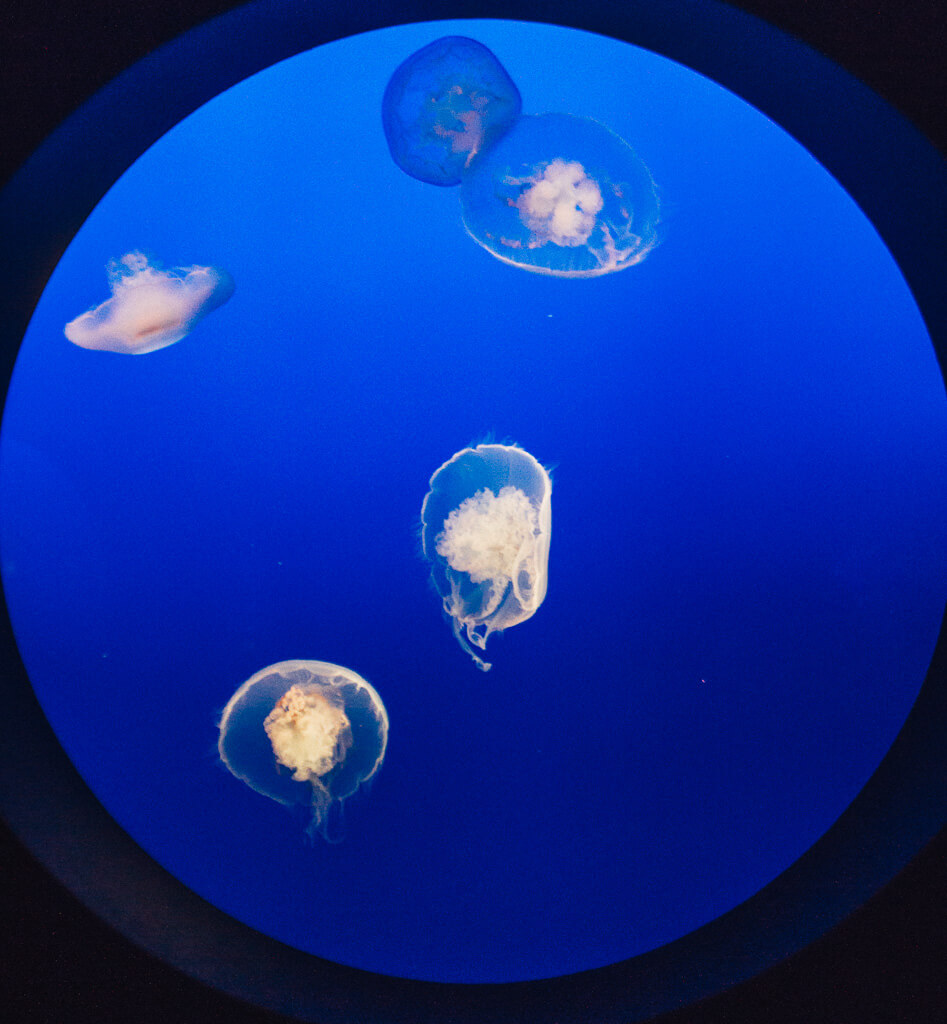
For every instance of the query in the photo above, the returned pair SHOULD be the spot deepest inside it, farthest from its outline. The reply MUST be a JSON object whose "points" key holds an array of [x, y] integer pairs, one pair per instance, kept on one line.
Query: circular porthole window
{"points": [[670, 374]]}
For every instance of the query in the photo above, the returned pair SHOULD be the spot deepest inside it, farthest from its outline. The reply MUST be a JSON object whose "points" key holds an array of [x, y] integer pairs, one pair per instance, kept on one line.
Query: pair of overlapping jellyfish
{"points": [[551, 193], [310, 732]]}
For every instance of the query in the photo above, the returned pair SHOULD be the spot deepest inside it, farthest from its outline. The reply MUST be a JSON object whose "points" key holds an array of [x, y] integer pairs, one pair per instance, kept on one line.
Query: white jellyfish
{"points": [[486, 525], [305, 732], [562, 195], [150, 308]]}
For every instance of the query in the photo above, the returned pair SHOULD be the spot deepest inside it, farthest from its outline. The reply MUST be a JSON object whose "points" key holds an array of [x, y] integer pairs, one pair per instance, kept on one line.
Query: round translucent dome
{"points": [[445, 104], [486, 526], [305, 732], [561, 195]]}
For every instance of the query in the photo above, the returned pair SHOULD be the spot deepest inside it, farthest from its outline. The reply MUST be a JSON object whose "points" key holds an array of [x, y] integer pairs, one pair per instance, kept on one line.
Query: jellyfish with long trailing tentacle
{"points": [[305, 732], [486, 524], [150, 308], [444, 105]]}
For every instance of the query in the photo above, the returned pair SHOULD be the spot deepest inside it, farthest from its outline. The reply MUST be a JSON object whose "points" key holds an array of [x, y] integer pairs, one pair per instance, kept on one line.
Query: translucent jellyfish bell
{"points": [[486, 525], [150, 308], [444, 105], [305, 732], [562, 195]]}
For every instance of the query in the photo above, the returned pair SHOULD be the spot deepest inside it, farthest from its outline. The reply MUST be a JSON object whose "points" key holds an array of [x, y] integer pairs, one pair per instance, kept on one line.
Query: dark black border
{"points": [[66, 964]]}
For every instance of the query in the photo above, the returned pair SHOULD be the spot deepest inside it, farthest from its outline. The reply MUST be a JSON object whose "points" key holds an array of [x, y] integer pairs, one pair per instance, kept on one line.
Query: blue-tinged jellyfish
{"points": [[305, 732], [444, 105], [485, 527], [561, 195], [150, 308]]}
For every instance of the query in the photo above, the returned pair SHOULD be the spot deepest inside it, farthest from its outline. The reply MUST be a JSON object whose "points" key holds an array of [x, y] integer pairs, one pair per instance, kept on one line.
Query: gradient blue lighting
{"points": [[748, 438]]}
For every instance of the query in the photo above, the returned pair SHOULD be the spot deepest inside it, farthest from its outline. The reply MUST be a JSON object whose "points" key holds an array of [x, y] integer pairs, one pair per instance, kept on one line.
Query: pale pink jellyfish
{"points": [[305, 732], [150, 308], [486, 527]]}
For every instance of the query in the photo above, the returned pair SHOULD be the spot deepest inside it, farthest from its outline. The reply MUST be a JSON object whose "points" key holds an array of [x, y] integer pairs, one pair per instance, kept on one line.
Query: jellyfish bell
{"points": [[562, 195], [445, 104], [150, 308], [305, 732], [485, 527]]}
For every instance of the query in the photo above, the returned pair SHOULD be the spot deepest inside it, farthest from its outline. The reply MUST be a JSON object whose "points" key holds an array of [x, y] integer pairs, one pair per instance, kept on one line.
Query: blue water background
{"points": [[747, 436]]}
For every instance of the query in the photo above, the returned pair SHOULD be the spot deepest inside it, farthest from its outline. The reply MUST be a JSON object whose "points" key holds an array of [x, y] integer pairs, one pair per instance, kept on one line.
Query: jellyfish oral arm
{"points": [[474, 629], [309, 734], [486, 541], [507, 605]]}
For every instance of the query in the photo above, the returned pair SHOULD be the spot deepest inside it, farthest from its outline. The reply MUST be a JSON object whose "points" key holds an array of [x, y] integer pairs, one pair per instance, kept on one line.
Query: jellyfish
{"points": [[561, 195], [445, 104], [150, 308], [305, 732], [485, 527]]}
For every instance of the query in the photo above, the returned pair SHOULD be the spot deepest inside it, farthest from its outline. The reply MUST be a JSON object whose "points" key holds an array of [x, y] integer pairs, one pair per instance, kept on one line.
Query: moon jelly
{"points": [[562, 195], [486, 524], [445, 104], [305, 732], [150, 308]]}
